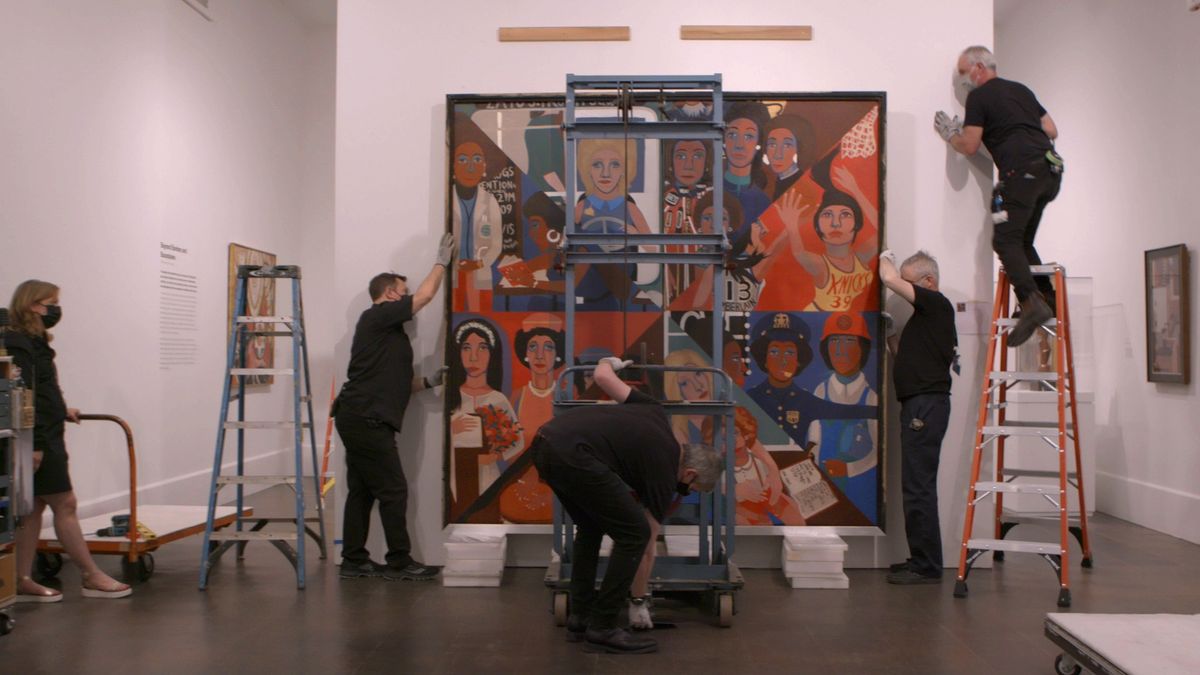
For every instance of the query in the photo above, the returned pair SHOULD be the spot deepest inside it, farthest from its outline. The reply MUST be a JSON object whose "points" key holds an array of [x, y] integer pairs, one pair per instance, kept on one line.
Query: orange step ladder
{"points": [[994, 426]]}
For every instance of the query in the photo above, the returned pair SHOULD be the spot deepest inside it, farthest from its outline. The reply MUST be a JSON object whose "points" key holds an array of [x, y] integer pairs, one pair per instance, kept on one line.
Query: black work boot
{"points": [[576, 627], [618, 641], [1034, 312]]}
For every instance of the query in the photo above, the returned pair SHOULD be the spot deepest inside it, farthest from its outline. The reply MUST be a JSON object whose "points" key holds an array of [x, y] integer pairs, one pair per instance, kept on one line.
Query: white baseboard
{"points": [[1167, 510]]}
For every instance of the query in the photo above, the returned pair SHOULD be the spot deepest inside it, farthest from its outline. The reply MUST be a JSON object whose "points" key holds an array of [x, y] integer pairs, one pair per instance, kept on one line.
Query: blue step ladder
{"points": [[242, 328]]}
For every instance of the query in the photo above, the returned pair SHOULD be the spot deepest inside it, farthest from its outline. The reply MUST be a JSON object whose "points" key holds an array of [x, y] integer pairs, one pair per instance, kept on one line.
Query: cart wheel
{"points": [[1064, 665], [6, 623], [48, 565], [725, 610], [561, 604], [141, 570]]}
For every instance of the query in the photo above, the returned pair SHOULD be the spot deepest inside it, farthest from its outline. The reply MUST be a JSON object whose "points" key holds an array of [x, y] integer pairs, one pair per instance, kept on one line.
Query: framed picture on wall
{"points": [[260, 301], [1167, 320]]}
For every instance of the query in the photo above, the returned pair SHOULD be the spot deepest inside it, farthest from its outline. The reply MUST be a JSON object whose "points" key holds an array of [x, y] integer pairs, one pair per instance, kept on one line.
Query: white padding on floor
{"points": [[814, 560], [1138, 643], [474, 559]]}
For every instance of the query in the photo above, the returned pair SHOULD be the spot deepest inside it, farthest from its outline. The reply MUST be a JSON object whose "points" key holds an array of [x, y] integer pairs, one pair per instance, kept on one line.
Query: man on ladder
{"points": [[1019, 133], [369, 412]]}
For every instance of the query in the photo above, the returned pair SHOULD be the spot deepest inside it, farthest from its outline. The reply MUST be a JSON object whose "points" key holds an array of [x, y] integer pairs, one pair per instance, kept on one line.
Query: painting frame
{"points": [[1168, 316], [260, 300]]}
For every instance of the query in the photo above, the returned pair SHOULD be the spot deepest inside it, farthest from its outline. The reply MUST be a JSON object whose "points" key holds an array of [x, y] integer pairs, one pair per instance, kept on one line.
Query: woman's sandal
{"points": [[115, 590], [43, 596]]}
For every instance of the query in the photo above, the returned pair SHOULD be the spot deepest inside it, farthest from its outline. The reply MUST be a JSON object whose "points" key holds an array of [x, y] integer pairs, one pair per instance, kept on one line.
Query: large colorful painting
{"points": [[803, 191], [260, 301]]}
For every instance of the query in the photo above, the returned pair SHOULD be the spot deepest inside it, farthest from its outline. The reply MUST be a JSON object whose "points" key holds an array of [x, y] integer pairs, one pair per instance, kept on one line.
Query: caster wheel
{"points": [[561, 605], [1064, 597], [1086, 562], [48, 565], [141, 570], [6, 623], [1065, 665], [725, 610], [960, 589]]}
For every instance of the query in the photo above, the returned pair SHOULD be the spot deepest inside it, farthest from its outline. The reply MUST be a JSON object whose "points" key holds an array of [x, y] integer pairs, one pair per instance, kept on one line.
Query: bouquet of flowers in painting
{"points": [[499, 430]]}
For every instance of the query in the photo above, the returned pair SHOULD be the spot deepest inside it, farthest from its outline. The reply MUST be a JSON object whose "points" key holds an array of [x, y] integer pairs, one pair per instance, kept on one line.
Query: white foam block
{"points": [[813, 553], [810, 540], [465, 581], [493, 549], [683, 545], [823, 581], [460, 566], [793, 569]]}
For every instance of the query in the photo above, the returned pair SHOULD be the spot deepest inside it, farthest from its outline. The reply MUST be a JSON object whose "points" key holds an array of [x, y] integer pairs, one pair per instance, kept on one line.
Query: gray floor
{"points": [[252, 619]]}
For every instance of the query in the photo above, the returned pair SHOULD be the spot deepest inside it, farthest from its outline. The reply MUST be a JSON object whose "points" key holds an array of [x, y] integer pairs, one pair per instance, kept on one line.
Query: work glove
{"points": [[437, 379], [947, 126], [446, 250], [639, 613], [890, 257], [615, 363]]}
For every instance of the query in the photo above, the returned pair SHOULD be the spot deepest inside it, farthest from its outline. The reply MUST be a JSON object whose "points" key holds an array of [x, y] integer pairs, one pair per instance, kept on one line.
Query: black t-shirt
{"points": [[379, 378], [926, 346], [1011, 118], [35, 358], [633, 439]]}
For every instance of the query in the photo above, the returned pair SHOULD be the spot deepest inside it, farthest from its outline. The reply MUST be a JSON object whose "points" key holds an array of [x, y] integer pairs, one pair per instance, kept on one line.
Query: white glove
{"points": [[615, 363], [947, 126], [639, 614], [445, 250], [890, 257]]}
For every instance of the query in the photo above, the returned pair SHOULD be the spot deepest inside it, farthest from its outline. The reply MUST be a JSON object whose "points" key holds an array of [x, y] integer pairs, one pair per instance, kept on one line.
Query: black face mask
{"points": [[684, 489], [52, 317]]}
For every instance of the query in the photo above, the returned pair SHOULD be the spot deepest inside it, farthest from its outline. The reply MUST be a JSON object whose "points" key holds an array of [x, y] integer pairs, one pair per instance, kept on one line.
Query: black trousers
{"points": [[923, 421], [1024, 194], [600, 503], [373, 473]]}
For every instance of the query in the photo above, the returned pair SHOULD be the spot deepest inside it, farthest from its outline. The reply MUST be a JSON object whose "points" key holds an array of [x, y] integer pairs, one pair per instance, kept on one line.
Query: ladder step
{"points": [[262, 371], [1018, 488], [265, 319], [266, 425], [1036, 424], [280, 519], [1009, 323], [269, 333], [1046, 269], [1035, 473], [1015, 546], [1022, 376], [226, 535], [257, 480], [1013, 430], [1007, 516]]}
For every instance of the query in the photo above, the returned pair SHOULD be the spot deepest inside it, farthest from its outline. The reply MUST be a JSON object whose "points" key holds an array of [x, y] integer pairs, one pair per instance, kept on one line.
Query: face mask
{"points": [[53, 316], [684, 489]]}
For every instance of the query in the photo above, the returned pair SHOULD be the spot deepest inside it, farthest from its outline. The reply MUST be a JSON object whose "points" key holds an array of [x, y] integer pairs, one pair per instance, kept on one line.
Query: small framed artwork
{"points": [[260, 301], [1167, 319]]}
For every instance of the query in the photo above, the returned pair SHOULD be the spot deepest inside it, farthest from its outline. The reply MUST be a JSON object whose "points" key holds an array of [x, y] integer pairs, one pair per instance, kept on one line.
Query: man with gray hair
{"points": [[616, 470], [1006, 117], [924, 359]]}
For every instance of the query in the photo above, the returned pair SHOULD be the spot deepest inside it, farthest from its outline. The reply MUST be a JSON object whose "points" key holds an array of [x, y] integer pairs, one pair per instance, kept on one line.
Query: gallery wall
{"points": [[130, 125], [1119, 79], [398, 61]]}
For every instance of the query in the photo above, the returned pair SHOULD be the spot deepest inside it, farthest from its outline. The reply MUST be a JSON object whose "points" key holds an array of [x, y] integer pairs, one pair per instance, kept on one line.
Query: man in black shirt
{"points": [[1006, 117], [922, 376], [616, 470], [369, 412]]}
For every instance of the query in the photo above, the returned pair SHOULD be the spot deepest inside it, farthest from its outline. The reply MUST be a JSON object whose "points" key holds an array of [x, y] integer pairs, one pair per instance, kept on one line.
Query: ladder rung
{"points": [[279, 519], [266, 319], [1009, 323], [1035, 473], [1023, 376], [266, 425], [1046, 269], [257, 480], [269, 333], [1015, 546], [7, 433], [1036, 424], [262, 371], [227, 535], [997, 406], [1018, 488], [1007, 516], [1014, 430]]}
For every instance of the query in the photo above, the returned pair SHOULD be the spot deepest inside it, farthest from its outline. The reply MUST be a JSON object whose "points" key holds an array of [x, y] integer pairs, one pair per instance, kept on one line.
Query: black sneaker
{"points": [[413, 571], [907, 577], [353, 570], [900, 566], [576, 627], [618, 641], [1034, 312]]}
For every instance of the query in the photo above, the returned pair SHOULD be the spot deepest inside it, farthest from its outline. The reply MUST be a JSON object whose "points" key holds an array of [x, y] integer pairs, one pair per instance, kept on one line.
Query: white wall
{"points": [[397, 61], [1119, 79], [127, 124]]}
